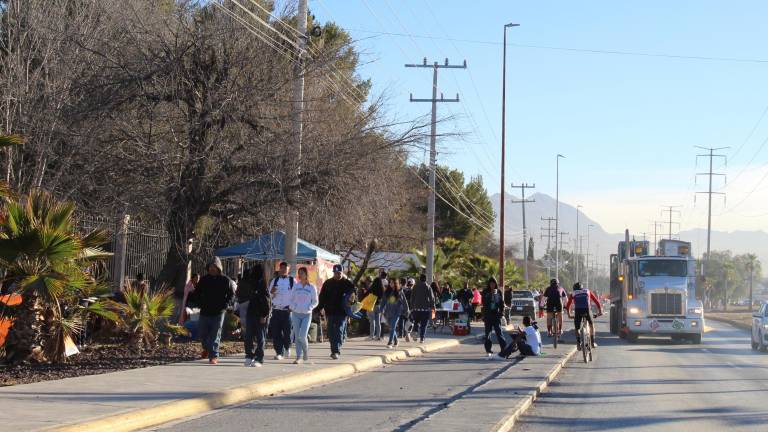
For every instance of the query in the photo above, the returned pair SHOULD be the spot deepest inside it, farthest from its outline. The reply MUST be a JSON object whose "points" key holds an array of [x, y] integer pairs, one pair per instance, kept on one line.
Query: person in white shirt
{"points": [[303, 301], [280, 325], [527, 340]]}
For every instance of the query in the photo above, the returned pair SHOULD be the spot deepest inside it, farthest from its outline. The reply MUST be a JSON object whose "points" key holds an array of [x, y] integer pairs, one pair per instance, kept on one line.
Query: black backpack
{"points": [[290, 281]]}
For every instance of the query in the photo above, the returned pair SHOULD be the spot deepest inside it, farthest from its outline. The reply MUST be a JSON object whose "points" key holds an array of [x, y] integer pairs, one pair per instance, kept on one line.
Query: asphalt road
{"points": [[655, 385], [396, 397]]}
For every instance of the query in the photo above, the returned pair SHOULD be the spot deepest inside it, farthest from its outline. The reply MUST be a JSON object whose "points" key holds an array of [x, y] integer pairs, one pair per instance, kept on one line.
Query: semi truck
{"points": [[655, 295]]}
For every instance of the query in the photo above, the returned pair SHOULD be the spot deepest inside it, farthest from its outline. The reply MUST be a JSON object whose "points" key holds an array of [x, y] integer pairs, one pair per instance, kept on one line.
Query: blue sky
{"points": [[627, 124]]}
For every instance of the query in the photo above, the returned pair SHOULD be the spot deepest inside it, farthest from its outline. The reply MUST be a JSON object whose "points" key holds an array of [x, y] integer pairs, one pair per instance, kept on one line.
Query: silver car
{"points": [[760, 329]]}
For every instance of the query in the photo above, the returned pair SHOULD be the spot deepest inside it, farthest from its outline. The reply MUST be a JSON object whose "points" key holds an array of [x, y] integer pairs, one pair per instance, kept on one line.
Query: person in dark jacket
{"points": [[422, 305], [333, 294], [257, 316], [374, 316], [213, 294], [493, 310], [464, 296]]}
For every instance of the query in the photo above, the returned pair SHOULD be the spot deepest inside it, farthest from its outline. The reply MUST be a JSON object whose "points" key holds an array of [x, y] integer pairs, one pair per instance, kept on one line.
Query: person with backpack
{"points": [[303, 301], [257, 317], [213, 294], [422, 304], [333, 295], [280, 324], [493, 310], [395, 306]]}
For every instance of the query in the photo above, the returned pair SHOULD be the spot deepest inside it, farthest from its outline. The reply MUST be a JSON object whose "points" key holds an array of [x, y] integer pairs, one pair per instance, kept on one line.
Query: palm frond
{"points": [[7, 140]]}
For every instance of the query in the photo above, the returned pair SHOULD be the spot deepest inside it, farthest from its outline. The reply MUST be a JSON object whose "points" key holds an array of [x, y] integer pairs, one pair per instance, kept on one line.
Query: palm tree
{"points": [[48, 263], [144, 314]]}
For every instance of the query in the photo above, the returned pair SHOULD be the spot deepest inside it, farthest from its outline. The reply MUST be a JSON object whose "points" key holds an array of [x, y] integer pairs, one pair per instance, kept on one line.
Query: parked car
{"points": [[523, 304], [760, 329]]}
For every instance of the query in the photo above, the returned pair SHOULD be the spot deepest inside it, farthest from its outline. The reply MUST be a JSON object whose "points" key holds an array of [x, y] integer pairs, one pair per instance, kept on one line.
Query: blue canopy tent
{"points": [[272, 247]]}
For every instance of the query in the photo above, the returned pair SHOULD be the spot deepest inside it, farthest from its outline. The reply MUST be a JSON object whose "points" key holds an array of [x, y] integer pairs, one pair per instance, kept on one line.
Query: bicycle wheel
{"points": [[584, 346], [555, 331]]}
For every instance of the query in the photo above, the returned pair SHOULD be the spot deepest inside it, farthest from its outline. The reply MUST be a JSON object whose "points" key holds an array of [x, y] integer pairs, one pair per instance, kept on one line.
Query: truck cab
{"points": [[660, 294]]}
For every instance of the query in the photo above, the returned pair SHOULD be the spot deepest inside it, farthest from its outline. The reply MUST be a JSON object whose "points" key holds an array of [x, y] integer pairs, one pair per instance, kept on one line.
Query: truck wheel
{"points": [[696, 339]]}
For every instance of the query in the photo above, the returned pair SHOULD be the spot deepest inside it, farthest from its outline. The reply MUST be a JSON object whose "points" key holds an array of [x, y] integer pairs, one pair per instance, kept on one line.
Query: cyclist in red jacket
{"points": [[580, 297]]}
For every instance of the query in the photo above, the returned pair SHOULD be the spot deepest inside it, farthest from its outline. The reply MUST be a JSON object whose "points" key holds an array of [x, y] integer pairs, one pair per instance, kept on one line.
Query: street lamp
{"points": [[503, 155], [557, 216]]}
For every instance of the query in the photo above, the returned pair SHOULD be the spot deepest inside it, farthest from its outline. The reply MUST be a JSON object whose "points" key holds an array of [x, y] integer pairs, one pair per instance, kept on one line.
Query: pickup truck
{"points": [[760, 329], [523, 304]]}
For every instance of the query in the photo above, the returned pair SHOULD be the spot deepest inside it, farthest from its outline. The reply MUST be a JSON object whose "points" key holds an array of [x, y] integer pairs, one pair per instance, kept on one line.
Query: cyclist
{"points": [[580, 298], [553, 299]]}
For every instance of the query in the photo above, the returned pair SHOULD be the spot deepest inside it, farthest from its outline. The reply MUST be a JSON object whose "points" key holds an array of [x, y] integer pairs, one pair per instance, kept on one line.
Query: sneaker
{"points": [[390, 346], [204, 354], [248, 362], [297, 361], [422, 341], [257, 364], [278, 357], [489, 355], [335, 356], [213, 361], [370, 338], [578, 346], [287, 352], [594, 344], [407, 337]]}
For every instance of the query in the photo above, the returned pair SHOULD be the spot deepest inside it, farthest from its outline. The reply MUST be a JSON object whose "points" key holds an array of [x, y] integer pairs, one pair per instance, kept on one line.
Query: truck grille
{"points": [[521, 303], [666, 304]]}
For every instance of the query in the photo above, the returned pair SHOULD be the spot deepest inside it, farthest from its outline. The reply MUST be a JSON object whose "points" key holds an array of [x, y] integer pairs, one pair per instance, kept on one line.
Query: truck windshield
{"points": [[676, 268], [522, 294]]}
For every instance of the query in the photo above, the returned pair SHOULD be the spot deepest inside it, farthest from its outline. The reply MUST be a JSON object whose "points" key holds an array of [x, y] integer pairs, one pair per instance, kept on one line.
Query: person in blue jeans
{"points": [[395, 305], [333, 294], [280, 323], [378, 288], [213, 294], [493, 310], [257, 317], [422, 304], [303, 302]]}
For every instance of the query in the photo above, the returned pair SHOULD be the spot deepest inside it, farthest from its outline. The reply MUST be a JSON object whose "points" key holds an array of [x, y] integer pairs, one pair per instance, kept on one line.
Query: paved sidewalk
{"points": [[71, 401]]}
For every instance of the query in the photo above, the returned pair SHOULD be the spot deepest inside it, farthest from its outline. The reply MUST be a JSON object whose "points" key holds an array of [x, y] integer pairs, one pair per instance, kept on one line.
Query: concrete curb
{"points": [[167, 412], [508, 422], [738, 325]]}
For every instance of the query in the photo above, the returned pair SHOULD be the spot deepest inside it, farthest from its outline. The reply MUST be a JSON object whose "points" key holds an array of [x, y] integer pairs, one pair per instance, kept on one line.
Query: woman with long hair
{"points": [[304, 300], [395, 306], [257, 316]]}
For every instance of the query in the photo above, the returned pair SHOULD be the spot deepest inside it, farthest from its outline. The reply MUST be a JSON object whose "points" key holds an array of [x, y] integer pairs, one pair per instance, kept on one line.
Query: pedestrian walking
{"points": [[303, 301], [243, 296], [404, 324], [395, 306], [493, 310], [332, 298], [257, 321], [213, 294], [423, 304], [374, 315], [464, 296], [280, 323]]}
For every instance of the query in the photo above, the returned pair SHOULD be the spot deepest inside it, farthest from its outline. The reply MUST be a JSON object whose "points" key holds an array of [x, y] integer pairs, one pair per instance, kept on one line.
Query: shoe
{"points": [[422, 341], [278, 357], [500, 357], [204, 354], [287, 352], [370, 338], [489, 355], [594, 344], [257, 364], [390, 346], [213, 361], [578, 346], [407, 337], [297, 361], [248, 362], [306, 357], [335, 356]]}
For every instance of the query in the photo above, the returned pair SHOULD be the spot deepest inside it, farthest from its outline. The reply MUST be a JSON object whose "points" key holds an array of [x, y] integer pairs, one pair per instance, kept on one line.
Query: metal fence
{"points": [[136, 247]]}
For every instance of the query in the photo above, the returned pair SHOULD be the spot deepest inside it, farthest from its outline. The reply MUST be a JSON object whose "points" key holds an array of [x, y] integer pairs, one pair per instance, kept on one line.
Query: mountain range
{"points": [[601, 242]]}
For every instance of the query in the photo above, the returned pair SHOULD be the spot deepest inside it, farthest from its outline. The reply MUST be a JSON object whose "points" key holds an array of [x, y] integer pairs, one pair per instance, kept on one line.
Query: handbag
{"points": [[369, 302]]}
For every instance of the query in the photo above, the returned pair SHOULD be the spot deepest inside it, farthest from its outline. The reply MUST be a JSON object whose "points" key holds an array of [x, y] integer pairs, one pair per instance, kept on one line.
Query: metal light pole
{"points": [[586, 264], [578, 243], [503, 155], [557, 216]]}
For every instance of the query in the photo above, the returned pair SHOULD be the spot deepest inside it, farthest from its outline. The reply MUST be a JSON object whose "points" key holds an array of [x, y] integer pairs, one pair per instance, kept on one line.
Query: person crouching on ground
{"points": [[493, 310], [213, 294], [332, 297], [303, 302], [527, 340], [395, 306], [257, 317]]}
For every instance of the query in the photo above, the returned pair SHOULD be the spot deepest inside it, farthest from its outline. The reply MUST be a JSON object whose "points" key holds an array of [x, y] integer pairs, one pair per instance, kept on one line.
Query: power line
{"points": [[671, 210], [711, 155]]}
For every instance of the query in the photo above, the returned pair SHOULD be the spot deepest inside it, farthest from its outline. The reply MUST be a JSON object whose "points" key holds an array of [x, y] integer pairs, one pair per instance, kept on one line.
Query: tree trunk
{"points": [[23, 342], [364, 265]]}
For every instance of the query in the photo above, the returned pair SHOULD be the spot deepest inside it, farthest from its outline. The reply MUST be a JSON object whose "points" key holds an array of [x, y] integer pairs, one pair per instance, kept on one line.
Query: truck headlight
{"points": [[634, 310], [694, 323], [765, 326], [694, 311]]}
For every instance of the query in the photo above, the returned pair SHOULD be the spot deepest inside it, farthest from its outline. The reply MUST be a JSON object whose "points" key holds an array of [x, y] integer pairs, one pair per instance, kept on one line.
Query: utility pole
{"points": [[711, 155], [549, 234], [586, 264], [559, 236], [503, 156], [557, 214], [522, 201], [297, 120], [433, 155], [751, 265], [577, 249], [671, 210], [656, 225]]}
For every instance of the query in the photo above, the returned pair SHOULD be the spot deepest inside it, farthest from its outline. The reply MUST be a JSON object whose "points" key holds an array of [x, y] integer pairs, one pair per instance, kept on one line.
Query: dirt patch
{"points": [[100, 359]]}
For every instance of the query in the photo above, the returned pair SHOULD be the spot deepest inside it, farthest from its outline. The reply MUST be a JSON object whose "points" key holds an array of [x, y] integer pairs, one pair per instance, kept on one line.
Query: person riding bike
{"points": [[552, 300], [580, 297]]}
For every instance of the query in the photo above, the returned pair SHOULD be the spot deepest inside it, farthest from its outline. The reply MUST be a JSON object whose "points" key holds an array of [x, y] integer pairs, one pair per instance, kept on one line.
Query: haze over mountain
{"points": [[604, 243]]}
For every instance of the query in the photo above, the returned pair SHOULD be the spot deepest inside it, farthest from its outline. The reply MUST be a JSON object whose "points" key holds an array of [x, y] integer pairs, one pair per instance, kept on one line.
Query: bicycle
{"points": [[585, 333], [556, 330]]}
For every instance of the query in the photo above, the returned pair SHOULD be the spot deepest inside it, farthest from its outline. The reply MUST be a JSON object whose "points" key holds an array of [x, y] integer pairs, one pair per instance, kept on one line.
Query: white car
{"points": [[760, 329]]}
